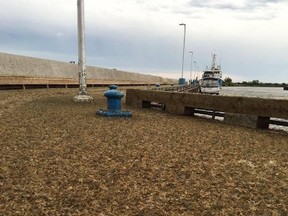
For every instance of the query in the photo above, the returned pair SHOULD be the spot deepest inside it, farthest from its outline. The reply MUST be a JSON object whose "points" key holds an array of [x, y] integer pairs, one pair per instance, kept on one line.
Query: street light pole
{"points": [[191, 64], [82, 95], [196, 75], [183, 24]]}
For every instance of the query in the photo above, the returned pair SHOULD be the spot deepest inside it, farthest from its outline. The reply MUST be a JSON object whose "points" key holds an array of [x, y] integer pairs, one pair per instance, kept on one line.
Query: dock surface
{"points": [[59, 157]]}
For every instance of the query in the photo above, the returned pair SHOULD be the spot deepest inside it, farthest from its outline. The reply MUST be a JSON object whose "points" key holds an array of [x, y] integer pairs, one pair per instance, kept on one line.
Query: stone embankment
{"points": [[251, 112], [16, 69]]}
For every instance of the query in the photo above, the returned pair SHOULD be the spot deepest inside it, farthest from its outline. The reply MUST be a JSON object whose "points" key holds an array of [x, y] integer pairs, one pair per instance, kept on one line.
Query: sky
{"points": [[249, 37]]}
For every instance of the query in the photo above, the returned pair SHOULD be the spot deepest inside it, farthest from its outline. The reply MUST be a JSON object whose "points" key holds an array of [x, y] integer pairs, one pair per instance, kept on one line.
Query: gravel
{"points": [[59, 158]]}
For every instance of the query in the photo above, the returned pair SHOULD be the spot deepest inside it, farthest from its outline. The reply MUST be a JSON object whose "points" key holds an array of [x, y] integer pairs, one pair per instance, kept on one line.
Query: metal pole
{"points": [[196, 75], [191, 65], [81, 47], [82, 95], [183, 48]]}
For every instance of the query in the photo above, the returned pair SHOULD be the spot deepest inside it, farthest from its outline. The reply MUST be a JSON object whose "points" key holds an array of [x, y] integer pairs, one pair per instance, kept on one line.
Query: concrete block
{"points": [[251, 121], [178, 109], [189, 111]]}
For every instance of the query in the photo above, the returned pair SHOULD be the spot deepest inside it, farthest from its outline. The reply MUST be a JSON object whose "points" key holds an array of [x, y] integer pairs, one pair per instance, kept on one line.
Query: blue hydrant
{"points": [[113, 103], [113, 99]]}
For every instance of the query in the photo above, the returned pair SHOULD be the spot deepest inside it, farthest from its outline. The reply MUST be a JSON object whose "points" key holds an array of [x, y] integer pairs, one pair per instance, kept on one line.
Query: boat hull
{"points": [[210, 85], [210, 90], [211, 81]]}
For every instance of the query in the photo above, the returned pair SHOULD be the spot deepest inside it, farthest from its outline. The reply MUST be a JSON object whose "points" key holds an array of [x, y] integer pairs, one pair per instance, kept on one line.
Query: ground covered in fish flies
{"points": [[59, 158]]}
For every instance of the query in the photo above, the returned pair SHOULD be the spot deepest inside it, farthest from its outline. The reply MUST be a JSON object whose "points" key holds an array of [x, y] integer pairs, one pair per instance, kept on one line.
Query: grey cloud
{"points": [[248, 5], [120, 50], [270, 1], [212, 4], [24, 38], [263, 17], [248, 10]]}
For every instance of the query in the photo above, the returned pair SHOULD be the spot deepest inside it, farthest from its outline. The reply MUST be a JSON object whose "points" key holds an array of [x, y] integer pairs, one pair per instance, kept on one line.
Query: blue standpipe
{"points": [[182, 81], [113, 104]]}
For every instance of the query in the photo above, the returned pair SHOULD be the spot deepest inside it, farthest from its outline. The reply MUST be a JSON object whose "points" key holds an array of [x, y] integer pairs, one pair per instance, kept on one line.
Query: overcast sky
{"points": [[248, 36]]}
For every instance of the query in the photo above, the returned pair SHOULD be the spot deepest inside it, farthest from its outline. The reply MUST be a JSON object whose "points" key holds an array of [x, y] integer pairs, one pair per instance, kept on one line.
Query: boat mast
{"points": [[213, 66]]}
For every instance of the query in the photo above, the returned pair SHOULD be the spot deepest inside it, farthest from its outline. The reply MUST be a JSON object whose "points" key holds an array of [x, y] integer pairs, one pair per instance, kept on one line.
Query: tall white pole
{"points": [[191, 65], [81, 46], [183, 48], [196, 72], [82, 95]]}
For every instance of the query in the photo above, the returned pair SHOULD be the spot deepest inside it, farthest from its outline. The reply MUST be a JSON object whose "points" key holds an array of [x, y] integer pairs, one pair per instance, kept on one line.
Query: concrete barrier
{"points": [[15, 69], [251, 112]]}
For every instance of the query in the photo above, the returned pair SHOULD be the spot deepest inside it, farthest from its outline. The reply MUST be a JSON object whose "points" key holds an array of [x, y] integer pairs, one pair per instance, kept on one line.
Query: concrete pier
{"points": [[251, 112]]}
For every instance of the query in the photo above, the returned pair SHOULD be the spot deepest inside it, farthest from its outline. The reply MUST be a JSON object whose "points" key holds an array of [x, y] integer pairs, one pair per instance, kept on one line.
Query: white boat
{"points": [[211, 81]]}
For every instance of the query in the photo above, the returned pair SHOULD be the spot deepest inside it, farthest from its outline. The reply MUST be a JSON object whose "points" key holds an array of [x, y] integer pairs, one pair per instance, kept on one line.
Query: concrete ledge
{"points": [[251, 121], [251, 112]]}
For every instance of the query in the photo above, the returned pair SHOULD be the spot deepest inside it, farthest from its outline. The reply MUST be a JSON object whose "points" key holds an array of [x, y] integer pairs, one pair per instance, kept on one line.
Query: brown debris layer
{"points": [[59, 158]]}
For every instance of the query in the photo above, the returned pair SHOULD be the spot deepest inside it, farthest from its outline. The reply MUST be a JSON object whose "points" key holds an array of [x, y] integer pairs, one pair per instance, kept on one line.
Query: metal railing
{"points": [[178, 88]]}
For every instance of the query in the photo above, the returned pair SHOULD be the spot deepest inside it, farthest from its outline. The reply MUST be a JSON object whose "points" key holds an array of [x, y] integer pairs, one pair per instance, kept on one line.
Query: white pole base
{"points": [[83, 98]]}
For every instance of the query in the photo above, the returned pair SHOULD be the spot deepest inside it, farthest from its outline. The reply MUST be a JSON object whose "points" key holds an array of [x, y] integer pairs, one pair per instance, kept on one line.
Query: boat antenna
{"points": [[219, 66], [213, 66]]}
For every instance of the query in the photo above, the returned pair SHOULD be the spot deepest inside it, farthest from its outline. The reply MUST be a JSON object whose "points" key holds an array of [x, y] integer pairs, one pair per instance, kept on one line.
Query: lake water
{"points": [[261, 92]]}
